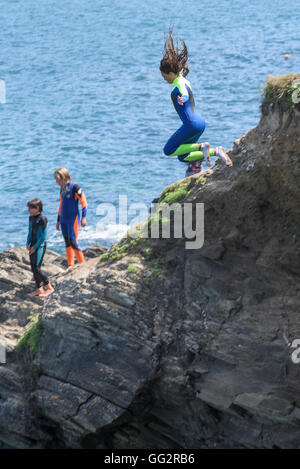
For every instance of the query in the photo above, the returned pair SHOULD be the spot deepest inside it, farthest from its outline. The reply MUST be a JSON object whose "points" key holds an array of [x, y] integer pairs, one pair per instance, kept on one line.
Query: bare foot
{"points": [[224, 156], [228, 160], [48, 290], [38, 292], [46, 293]]}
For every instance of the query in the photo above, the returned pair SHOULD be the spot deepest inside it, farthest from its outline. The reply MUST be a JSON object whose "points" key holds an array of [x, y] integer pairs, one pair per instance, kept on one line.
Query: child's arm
{"points": [[28, 236], [42, 233], [181, 94], [178, 97], [79, 194], [58, 215]]}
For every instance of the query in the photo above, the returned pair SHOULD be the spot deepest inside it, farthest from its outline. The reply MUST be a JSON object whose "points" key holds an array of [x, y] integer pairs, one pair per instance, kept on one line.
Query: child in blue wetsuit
{"points": [[68, 218], [36, 246], [184, 142]]}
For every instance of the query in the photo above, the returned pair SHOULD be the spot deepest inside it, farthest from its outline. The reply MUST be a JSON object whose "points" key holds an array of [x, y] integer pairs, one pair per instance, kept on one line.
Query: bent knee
{"points": [[168, 150]]}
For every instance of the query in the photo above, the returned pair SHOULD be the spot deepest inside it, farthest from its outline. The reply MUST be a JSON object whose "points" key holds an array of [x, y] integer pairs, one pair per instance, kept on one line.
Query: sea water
{"points": [[83, 91]]}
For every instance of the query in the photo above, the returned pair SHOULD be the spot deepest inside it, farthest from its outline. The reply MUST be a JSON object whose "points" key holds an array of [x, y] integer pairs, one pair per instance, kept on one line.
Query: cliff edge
{"points": [[152, 345]]}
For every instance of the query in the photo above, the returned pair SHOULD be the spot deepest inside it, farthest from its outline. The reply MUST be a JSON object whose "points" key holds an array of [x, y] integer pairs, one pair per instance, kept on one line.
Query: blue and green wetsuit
{"points": [[37, 234], [183, 142]]}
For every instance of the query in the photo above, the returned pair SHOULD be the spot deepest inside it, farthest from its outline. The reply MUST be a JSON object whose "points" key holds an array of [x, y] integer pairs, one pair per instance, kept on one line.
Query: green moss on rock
{"points": [[32, 335], [280, 90], [174, 193], [120, 250]]}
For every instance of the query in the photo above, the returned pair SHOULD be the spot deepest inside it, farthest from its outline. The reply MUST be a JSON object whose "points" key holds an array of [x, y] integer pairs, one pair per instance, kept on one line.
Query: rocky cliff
{"points": [[153, 345]]}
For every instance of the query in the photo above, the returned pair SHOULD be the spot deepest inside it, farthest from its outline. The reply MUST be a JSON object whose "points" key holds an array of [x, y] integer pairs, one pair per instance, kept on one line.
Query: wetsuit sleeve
{"points": [[59, 209], [42, 233], [79, 194], [181, 91], [29, 233]]}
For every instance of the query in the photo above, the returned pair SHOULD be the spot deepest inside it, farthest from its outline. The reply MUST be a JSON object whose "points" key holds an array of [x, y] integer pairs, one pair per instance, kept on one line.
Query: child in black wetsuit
{"points": [[36, 245]]}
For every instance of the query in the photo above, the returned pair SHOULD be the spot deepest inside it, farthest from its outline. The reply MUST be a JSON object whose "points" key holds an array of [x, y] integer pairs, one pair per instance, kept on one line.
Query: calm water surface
{"points": [[84, 91]]}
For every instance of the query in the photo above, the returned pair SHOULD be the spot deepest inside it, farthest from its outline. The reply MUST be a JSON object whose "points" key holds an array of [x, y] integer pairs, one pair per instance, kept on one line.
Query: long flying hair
{"points": [[174, 59]]}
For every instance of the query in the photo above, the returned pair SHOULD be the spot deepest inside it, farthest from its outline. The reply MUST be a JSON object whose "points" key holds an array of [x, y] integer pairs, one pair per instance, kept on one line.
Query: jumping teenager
{"points": [[36, 246], [184, 142], [68, 214]]}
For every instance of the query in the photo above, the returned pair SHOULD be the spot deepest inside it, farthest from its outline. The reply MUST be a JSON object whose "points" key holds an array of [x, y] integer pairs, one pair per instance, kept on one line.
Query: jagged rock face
{"points": [[18, 425], [97, 351], [197, 358]]}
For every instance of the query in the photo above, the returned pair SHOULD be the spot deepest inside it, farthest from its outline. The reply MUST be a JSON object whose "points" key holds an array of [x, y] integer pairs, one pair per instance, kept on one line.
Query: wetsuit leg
{"points": [[189, 148], [69, 250], [183, 143], [78, 252], [70, 233], [181, 135], [36, 260]]}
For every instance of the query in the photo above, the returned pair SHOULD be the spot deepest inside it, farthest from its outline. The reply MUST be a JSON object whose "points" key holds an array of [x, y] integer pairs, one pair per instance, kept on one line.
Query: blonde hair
{"points": [[63, 174]]}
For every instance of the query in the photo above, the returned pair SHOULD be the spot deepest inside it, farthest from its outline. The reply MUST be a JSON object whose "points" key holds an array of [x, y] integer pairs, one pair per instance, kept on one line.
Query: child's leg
{"points": [[40, 277], [184, 135], [78, 252], [198, 151], [48, 287], [69, 250], [79, 255], [73, 231], [70, 253], [184, 144], [33, 265], [187, 148], [198, 155], [221, 153], [195, 155]]}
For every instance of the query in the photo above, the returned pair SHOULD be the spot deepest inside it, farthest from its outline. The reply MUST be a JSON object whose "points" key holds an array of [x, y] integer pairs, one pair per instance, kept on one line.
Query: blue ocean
{"points": [[83, 91]]}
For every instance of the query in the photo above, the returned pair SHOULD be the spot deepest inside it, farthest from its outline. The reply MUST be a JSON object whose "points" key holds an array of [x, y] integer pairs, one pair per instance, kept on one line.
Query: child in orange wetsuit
{"points": [[68, 214]]}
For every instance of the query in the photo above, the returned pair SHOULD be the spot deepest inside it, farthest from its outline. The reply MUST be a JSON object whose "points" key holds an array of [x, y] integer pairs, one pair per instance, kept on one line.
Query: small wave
{"points": [[111, 233]]}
